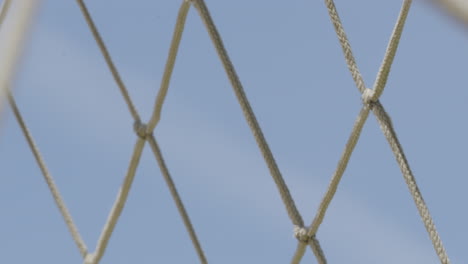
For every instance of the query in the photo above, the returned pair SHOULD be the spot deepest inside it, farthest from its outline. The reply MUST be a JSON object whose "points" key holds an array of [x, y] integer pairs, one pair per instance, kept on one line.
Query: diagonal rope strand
{"points": [[390, 134], [48, 178], [108, 59], [175, 195], [342, 164], [384, 70], [119, 202], [293, 213], [177, 36], [317, 249], [345, 45], [333, 186], [299, 253]]}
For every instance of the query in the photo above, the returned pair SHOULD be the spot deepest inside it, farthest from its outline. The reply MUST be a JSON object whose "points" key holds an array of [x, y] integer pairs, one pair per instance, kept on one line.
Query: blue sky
{"points": [[292, 68]]}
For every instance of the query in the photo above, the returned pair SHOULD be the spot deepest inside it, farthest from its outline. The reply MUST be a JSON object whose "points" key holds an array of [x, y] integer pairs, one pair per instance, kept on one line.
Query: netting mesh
{"points": [[305, 234]]}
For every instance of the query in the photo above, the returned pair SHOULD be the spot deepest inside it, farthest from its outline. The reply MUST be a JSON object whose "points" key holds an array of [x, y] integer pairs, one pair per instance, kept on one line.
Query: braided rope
{"points": [[348, 53], [368, 95], [370, 100], [249, 114], [390, 134]]}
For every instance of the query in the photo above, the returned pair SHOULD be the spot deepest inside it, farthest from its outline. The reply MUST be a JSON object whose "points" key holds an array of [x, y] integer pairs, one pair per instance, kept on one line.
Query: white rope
{"points": [[370, 99], [48, 178]]}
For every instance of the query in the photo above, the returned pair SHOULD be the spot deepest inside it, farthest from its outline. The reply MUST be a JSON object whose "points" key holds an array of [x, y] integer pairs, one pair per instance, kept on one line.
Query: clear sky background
{"points": [[289, 60]]}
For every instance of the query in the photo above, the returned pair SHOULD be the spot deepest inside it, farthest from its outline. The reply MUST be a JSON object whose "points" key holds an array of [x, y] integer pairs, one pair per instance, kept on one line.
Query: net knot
{"points": [[89, 259], [140, 129], [368, 96], [301, 233]]}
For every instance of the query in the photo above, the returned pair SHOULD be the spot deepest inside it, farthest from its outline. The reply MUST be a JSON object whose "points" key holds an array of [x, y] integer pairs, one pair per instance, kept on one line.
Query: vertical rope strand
{"points": [[49, 179]]}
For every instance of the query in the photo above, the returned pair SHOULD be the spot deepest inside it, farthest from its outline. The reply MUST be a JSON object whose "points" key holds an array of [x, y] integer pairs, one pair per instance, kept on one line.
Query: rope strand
{"points": [[48, 178], [108, 59], [248, 114], [175, 195]]}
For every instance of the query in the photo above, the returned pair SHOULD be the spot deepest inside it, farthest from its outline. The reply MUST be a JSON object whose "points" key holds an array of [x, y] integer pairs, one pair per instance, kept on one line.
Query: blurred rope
{"points": [[4, 10], [457, 8], [20, 14]]}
